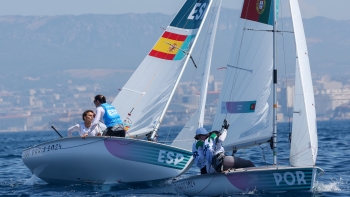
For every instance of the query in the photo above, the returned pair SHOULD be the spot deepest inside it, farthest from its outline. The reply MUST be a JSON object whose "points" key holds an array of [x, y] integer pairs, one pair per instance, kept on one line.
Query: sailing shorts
{"points": [[116, 131]]}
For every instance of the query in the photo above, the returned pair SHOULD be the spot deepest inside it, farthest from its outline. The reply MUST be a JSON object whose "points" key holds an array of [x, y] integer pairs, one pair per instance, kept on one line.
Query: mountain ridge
{"points": [[50, 45]]}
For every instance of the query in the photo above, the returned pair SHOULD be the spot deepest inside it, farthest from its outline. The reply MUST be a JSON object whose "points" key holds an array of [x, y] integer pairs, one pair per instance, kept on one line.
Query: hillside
{"points": [[49, 50]]}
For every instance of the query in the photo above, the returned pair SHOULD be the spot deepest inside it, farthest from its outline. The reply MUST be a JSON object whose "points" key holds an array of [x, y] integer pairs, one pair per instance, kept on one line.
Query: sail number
{"points": [[289, 178], [185, 185], [197, 11], [39, 150], [170, 157]]}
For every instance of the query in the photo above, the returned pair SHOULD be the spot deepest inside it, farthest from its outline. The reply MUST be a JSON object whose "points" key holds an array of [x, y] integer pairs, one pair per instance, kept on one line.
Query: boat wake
{"points": [[334, 186], [31, 180]]}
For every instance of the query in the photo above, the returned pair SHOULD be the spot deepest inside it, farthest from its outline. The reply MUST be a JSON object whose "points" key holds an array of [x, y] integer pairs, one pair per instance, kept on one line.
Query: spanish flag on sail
{"points": [[171, 46], [258, 10]]}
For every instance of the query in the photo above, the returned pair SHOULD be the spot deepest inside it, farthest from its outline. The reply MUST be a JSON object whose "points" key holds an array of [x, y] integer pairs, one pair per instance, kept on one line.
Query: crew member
{"points": [[84, 128], [110, 117], [197, 149], [216, 160]]}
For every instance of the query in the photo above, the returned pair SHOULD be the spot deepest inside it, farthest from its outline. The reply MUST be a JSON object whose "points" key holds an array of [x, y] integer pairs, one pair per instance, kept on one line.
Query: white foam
{"points": [[333, 186], [31, 180]]}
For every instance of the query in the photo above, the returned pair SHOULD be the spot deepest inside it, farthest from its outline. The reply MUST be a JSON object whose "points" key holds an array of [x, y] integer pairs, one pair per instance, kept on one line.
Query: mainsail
{"points": [[304, 143], [145, 96], [245, 99]]}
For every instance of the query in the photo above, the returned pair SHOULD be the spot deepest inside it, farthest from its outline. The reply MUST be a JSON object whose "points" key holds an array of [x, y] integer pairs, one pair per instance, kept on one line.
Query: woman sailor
{"points": [[216, 160], [197, 149], [110, 117]]}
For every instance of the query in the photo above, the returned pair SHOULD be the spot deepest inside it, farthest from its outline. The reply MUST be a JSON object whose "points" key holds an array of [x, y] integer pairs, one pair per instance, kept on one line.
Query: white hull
{"points": [[105, 160], [260, 179]]}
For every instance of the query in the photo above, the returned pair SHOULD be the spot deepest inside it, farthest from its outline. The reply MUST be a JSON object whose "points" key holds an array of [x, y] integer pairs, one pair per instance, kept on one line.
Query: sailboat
{"points": [[248, 101], [142, 103]]}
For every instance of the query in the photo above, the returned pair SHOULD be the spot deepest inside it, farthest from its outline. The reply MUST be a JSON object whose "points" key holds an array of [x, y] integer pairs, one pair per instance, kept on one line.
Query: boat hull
{"points": [[105, 160], [259, 179]]}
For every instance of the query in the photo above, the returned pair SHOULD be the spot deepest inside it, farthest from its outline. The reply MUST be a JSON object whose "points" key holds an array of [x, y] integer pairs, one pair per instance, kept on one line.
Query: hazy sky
{"points": [[335, 9]]}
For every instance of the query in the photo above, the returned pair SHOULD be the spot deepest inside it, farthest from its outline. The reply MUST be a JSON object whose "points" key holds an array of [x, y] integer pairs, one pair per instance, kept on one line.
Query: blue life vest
{"points": [[111, 117]]}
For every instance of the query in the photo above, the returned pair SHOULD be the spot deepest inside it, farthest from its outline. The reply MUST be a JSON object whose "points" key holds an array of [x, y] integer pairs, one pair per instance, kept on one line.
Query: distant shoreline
{"points": [[207, 126]]}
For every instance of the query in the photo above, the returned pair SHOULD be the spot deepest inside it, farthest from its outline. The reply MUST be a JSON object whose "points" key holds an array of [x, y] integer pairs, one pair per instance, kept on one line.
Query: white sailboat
{"points": [[143, 100], [248, 101]]}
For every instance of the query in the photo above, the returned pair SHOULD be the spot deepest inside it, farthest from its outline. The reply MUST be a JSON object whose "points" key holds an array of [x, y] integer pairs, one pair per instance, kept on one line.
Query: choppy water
{"points": [[333, 157]]}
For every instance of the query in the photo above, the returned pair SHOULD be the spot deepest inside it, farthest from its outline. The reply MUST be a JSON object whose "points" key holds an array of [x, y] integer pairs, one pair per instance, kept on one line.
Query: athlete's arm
{"points": [[99, 114]]}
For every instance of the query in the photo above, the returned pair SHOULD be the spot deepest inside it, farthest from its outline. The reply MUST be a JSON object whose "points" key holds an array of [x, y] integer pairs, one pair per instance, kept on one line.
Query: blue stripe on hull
{"points": [[148, 152], [273, 180], [260, 179]]}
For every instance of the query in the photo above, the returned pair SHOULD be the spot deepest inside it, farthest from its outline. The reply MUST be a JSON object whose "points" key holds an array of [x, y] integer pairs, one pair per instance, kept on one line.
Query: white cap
{"points": [[201, 131]]}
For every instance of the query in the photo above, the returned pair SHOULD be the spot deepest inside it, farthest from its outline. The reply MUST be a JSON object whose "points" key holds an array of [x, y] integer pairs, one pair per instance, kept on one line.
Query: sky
{"points": [[334, 9]]}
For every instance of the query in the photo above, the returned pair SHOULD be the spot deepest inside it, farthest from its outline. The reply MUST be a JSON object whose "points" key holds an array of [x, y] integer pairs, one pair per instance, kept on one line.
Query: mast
{"points": [[204, 88], [155, 130], [274, 133]]}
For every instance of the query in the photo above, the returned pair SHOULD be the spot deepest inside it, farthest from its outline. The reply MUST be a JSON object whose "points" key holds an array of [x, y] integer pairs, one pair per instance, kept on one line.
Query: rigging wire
{"points": [[179, 27], [229, 60], [240, 58], [263, 153], [211, 17], [285, 75]]}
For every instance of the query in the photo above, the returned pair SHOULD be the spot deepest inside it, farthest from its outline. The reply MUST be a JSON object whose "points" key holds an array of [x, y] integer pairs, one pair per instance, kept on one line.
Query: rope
{"points": [[83, 144], [195, 72], [285, 71], [262, 149], [150, 63], [103, 138]]}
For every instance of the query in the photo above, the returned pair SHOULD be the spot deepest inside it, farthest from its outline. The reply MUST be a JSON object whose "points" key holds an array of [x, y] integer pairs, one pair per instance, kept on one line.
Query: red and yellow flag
{"points": [[168, 46]]}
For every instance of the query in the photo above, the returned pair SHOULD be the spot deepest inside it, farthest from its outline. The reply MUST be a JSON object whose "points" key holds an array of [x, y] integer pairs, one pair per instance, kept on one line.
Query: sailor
{"points": [[84, 128], [197, 149], [212, 145], [110, 117], [216, 160]]}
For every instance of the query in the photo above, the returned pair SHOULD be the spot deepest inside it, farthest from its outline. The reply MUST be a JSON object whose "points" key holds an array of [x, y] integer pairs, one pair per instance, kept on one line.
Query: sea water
{"points": [[333, 158]]}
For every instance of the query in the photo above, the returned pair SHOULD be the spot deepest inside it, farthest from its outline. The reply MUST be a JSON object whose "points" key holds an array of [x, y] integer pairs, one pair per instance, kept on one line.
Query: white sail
{"points": [[206, 74], [245, 99], [148, 90], [185, 138], [304, 143], [251, 119]]}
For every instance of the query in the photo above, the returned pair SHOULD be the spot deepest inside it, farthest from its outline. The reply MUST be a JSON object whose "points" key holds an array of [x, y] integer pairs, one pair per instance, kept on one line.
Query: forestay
{"points": [[146, 93], [304, 144], [185, 138], [245, 99]]}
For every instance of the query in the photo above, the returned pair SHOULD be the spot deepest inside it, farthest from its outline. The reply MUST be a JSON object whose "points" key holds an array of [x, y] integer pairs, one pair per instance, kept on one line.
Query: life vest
{"points": [[111, 117]]}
